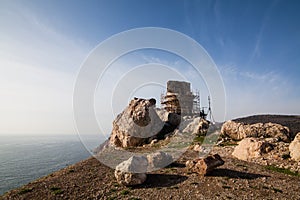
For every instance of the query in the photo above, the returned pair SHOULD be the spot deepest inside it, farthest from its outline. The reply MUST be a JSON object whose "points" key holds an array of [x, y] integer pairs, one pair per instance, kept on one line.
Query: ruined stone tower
{"points": [[179, 98]]}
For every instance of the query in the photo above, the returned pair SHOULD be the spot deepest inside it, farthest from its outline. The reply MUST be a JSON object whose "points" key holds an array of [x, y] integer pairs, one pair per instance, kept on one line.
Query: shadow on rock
{"points": [[162, 180], [176, 164], [234, 174]]}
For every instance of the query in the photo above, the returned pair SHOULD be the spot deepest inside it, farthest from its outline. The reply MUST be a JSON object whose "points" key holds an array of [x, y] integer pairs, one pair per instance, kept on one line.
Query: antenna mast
{"points": [[209, 111]]}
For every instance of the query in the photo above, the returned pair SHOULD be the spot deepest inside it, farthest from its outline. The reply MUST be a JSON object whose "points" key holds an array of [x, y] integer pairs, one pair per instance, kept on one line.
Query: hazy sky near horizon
{"points": [[255, 45]]}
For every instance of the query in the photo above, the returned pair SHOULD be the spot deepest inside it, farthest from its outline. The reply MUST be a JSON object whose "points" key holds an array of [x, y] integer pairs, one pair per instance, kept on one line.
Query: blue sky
{"points": [[255, 45]]}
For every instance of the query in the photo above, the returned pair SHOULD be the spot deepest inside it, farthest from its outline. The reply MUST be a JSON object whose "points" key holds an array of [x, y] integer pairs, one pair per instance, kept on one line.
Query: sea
{"points": [[24, 158]]}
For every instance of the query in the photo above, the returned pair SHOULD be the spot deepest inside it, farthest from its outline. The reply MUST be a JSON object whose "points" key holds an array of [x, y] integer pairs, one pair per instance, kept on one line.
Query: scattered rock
{"points": [[295, 148], [153, 142], [197, 147], [132, 171], [130, 179], [250, 148], [158, 160], [138, 122], [239, 131], [203, 166], [135, 164]]}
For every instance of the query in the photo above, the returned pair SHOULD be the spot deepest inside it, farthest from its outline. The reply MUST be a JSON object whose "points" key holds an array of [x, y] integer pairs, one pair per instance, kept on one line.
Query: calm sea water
{"points": [[26, 158]]}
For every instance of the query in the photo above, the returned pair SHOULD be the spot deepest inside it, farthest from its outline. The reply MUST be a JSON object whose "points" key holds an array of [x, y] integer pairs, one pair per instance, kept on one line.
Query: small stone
{"points": [[197, 147], [153, 142]]}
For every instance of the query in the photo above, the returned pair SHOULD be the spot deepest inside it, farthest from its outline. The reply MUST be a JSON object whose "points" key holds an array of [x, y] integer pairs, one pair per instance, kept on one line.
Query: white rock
{"points": [[172, 118], [197, 126], [129, 179], [158, 160], [250, 148], [295, 148], [197, 147], [132, 171], [135, 164]]}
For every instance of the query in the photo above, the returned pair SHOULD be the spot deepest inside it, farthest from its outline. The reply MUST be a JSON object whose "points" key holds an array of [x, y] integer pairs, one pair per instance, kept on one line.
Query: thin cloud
{"points": [[249, 92], [256, 53], [38, 72]]}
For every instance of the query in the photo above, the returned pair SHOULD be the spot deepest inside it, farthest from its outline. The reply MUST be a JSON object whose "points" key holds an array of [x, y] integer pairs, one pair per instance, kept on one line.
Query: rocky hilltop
{"points": [[157, 154]]}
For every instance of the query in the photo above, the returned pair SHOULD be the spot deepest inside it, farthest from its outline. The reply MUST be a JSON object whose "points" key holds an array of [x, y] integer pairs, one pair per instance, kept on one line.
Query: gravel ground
{"points": [[236, 179]]}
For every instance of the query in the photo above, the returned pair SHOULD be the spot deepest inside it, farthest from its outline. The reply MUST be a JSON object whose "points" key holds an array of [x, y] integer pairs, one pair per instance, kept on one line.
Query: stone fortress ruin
{"points": [[181, 100]]}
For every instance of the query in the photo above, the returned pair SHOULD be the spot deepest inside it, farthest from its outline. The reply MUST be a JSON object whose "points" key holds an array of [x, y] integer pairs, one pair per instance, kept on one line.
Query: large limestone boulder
{"points": [[197, 126], [158, 160], [295, 148], [239, 131], [135, 124], [250, 148], [132, 171], [172, 119], [203, 166]]}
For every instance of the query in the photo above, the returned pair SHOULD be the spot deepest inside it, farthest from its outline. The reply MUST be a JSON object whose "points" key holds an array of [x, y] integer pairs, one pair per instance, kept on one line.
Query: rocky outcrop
{"points": [[239, 131], [294, 148], [250, 148], [203, 166], [132, 171], [138, 122], [158, 160]]}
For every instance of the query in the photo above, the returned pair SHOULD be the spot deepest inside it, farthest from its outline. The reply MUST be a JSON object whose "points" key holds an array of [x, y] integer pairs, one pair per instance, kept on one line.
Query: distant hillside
{"points": [[291, 121]]}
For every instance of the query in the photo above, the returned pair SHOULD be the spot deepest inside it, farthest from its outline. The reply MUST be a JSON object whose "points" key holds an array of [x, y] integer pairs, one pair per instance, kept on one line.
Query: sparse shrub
{"points": [[199, 139], [282, 170], [286, 156], [56, 190], [125, 192], [226, 187], [25, 190], [277, 190]]}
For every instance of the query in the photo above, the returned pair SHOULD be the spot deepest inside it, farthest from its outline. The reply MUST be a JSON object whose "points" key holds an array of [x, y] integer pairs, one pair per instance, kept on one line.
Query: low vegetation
{"points": [[56, 190], [25, 190], [281, 170]]}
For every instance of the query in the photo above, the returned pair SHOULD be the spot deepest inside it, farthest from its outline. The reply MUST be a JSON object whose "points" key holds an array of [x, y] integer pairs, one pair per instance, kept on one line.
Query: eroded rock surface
{"points": [[203, 166], [295, 148], [196, 126], [239, 131], [132, 171], [250, 148], [138, 122], [130, 179], [158, 160]]}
